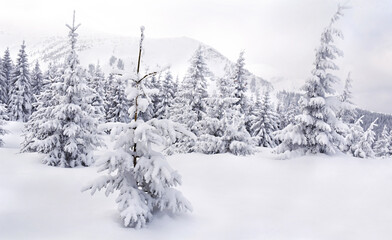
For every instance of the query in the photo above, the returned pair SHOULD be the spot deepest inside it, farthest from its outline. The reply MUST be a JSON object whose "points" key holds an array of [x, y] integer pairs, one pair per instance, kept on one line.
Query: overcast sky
{"points": [[278, 36]]}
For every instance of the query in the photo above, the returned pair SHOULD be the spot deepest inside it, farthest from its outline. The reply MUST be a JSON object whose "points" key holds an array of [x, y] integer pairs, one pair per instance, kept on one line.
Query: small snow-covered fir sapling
{"points": [[142, 176]]}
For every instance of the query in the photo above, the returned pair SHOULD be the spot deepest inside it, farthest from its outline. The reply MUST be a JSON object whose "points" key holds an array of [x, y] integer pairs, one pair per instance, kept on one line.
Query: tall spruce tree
{"points": [[7, 70], [96, 83], [3, 116], [117, 102], [70, 132], [20, 97], [142, 176], [195, 88], [240, 82], [36, 79], [3, 85], [264, 121], [166, 96], [346, 111], [41, 133], [317, 129]]}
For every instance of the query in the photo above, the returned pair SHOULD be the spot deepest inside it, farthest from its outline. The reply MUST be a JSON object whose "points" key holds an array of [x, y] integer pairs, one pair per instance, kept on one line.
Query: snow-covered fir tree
{"points": [[181, 112], [287, 107], [117, 102], [36, 79], [364, 147], [190, 102], [224, 126], [354, 136], [264, 121], [50, 75], [383, 144], [70, 132], [3, 116], [151, 112], [96, 81], [317, 129], [120, 64], [240, 82], [194, 90], [3, 85], [346, 111], [140, 174], [7, 70], [20, 96], [40, 131], [166, 96]]}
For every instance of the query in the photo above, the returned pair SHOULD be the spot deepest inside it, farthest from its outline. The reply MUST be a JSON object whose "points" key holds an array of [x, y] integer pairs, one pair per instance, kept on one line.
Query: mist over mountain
{"points": [[173, 53]]}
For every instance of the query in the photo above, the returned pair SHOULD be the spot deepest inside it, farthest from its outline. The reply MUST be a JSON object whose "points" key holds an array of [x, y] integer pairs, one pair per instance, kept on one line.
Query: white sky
{"points": [[278, 36]]}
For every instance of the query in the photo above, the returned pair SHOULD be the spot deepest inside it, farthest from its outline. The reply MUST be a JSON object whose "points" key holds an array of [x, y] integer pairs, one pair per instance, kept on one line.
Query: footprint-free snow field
{"points": [[253, 197]]}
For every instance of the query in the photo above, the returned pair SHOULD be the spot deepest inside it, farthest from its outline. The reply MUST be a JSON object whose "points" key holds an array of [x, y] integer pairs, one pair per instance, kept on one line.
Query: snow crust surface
{"points": [[233, 197]]}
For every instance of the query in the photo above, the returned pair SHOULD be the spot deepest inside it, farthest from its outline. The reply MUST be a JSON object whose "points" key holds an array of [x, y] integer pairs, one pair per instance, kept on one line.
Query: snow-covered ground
{"points": [[254, 197]]}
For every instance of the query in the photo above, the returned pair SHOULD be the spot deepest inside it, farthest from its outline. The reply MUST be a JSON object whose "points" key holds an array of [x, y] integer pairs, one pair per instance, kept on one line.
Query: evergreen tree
{"points": [[40, 131], [354, 136], [3, 85], [120, 64], [363, 148], [224, 127], [240, 82], [264, 122], [36, 80], [152, 83], [166, 96], [195, 89], [70, 132], [346, 111], [7, 70], [19, 105], [317, 130], [96, 83], [118, 104], [383, 143], [3, 117], [142, 176]]}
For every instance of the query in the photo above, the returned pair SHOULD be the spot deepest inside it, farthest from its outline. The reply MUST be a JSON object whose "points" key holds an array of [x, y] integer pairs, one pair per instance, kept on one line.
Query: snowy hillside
{"points": [[254, 197], [165, 52]]}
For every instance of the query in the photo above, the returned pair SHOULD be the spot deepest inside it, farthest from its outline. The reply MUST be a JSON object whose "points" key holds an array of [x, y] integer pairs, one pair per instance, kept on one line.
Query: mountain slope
{"points": [[165, 52]]}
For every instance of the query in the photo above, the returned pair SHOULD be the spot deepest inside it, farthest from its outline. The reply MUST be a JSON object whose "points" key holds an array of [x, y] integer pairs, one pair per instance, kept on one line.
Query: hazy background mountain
{"points": [[163, 52]]}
